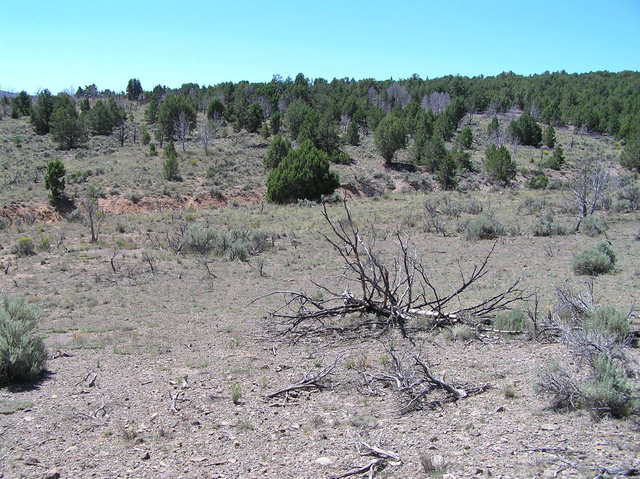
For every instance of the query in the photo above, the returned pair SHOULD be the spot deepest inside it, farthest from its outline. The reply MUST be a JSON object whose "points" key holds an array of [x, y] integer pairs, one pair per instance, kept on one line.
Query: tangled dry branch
{"points": [[387, 294]]}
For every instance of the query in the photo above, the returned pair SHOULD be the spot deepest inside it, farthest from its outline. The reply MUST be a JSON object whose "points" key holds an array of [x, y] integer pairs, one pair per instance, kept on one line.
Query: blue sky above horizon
{"points": [[70, 43]]}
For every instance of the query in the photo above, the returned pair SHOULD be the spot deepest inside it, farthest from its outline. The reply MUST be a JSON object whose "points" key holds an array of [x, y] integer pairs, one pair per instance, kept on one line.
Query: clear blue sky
{"points": [[68, 43]]}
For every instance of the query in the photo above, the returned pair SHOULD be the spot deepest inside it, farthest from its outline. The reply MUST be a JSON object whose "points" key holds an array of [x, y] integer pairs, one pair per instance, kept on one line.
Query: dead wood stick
{"points": [[376, 451], [308, 381], [370, 468]]}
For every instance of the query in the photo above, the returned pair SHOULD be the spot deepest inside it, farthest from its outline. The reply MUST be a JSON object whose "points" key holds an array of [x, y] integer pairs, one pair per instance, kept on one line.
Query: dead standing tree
{"points": [[588, 188], [389, 294]]}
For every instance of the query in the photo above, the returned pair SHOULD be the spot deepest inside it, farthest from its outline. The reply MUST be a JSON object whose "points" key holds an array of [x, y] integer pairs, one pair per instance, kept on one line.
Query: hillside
{"points": [[169, 355]]}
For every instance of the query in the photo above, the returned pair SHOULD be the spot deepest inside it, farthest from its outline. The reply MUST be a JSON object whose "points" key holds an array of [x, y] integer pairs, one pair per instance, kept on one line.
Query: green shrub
{"points": [[556, 161], [608, 392], [595, 261], [170, 166], [22, 351], [594, 226], [304, 173], [514, 320], [54, 180], [605, 248], [146, 137], [465, 137], [538, 182], [499, 165], [483, 227], [545, 225], [609, 320], [152, 149], [25, 247], [605, 392]]}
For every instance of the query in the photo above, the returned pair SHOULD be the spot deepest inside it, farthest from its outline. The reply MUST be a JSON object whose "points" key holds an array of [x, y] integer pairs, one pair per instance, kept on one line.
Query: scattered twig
{"points": [[308, 380]]}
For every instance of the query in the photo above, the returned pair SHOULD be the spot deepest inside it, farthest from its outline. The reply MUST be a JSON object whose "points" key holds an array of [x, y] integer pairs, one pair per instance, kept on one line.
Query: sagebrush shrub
{"points": [[236, 244], [608, 392], [483, 227], [595, 261], [605, 392], [25, 247], [538, 182], [545, 225], [608, 320], [22, 351], [594, 226], [514, 320]]}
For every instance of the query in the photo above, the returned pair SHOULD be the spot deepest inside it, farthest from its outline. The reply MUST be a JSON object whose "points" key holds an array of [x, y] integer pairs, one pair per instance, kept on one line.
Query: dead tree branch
{"points": [[412, 377], [395, 292], [309, 380]]}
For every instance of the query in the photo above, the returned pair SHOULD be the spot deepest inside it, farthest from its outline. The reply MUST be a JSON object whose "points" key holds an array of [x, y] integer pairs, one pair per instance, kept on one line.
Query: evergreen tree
{"points": [[630, 156], [446, 173], [253, 118], [100, 120], [465, 137], [215, 110], [499, 165], [170, 166], [556, 162], [435, 152], [326, 137], [297, 114], [303, 173], [151, 113], [526, 130], [67, 129], [54, 180], [277, 151], [85, 106], [41, 112], [494, 127], [169, 114], [390, 136], [275, 122], [22, 104], [549, 137], [353, 136], [134, 89]]}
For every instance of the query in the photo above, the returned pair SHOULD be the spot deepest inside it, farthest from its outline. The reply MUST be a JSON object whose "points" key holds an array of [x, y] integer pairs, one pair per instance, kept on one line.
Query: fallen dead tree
{"points": [[386, 294]]}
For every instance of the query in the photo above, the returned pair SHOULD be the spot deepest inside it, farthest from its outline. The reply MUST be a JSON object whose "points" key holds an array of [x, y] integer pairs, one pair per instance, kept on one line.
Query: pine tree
{"points": [[549, 137], [390, 136], [353, 136], [54, 180]]}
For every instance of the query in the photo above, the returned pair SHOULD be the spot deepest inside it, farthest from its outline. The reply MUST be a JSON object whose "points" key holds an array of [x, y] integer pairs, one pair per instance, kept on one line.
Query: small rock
{"points": [[549, 427], [236, 443], [549, 473], [52, 474], [146, 456], [438, 461], [324, 461]]}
